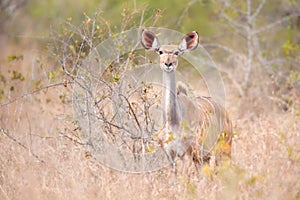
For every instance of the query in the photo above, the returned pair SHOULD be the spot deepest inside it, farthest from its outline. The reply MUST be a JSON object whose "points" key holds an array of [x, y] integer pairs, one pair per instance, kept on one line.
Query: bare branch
{"points": [[258, 9], [35, 91], [282, 61], [228, 4], [72, 139], [185, 11], [225, 48], [132, 111], [272, 25], [5, 132], [232, 22]]}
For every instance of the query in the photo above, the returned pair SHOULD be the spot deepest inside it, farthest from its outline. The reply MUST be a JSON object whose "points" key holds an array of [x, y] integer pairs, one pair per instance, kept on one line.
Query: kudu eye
{"points": [[176, 53], [160, 52]]}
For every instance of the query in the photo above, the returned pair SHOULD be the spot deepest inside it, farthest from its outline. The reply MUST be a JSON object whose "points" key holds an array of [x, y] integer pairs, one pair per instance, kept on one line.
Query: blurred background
{"points": [[254, 43]]}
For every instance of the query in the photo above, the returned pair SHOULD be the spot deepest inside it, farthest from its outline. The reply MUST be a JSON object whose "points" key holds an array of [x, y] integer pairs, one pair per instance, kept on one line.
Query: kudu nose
{"points": [[168, 64]]}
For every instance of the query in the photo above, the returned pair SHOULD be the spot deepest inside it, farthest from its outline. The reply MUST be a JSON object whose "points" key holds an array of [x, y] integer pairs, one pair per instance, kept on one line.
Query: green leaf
{"points": [[116, 77], [1, 94], [14, 57], [17, 76]]}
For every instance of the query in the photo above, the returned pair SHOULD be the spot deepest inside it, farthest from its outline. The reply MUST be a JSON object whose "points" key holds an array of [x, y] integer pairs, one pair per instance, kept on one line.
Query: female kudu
{"points": [[193, 126]]}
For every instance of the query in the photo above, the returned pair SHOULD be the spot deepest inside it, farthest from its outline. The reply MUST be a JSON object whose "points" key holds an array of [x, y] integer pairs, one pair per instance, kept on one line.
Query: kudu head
{"points": [[169, 53]]}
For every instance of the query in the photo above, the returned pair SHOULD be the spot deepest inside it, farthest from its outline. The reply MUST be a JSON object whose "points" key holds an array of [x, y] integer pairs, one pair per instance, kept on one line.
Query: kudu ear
{"points": [[189, 42], [149, 40]]}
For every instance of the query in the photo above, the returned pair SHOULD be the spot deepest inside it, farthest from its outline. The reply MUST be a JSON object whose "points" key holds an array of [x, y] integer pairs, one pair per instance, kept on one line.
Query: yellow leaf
{"points": [[207, 171], [170, 137], [184, 135], [116, 77], [149, 148], [185, 125]]}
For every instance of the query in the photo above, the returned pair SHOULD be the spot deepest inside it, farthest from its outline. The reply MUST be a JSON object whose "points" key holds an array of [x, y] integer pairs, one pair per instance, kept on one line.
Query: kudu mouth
{"points": [[168, 67]]}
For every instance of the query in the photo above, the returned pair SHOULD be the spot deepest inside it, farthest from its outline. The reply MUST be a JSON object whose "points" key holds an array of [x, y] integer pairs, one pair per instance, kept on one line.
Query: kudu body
{"points": [[193, 126]]}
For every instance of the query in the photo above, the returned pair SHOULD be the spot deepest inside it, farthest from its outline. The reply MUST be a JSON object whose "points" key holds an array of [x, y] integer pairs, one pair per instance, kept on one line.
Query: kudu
{"points": [[195, 126]]}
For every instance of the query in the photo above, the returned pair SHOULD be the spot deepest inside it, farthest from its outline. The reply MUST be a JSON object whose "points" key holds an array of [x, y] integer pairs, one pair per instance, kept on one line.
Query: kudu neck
{"points": [[170, 100]]}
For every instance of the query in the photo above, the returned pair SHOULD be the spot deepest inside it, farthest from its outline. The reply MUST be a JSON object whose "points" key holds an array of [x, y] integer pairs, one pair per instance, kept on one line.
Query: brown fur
{"points": [[200, 126]]}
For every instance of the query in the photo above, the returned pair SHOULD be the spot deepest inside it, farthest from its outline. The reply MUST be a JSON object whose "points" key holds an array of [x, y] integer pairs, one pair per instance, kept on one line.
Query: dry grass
{"points": [[38, 159]]}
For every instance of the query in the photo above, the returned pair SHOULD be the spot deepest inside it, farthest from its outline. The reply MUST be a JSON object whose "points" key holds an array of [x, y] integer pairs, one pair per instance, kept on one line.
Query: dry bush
{"points": [[43, 155]]}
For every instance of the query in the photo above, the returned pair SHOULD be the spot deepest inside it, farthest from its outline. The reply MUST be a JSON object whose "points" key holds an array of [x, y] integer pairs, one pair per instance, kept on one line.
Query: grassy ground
{"points": [[39, 160]]}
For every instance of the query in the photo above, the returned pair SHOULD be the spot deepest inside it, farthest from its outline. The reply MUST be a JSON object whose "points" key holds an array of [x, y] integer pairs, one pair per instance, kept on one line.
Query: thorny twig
{"points": [[36, 91], [6, 133], [72, 139]]}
